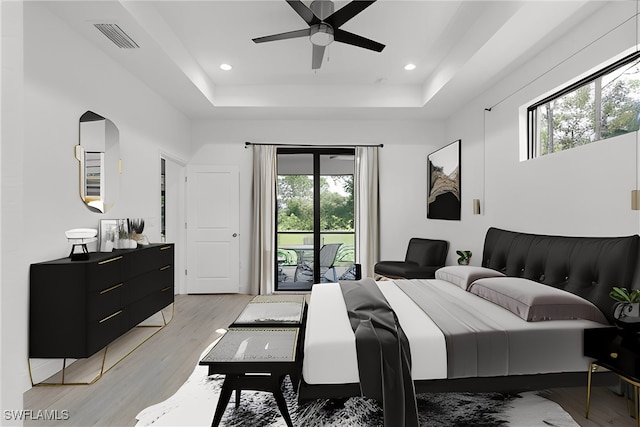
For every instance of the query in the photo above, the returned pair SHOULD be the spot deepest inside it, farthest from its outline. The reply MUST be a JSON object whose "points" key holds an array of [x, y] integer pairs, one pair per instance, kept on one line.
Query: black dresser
{"points": [[76, 308]]}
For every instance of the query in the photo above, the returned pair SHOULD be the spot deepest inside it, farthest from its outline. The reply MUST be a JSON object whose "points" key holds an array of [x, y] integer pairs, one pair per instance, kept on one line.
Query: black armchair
{"points": [[424, 257]]}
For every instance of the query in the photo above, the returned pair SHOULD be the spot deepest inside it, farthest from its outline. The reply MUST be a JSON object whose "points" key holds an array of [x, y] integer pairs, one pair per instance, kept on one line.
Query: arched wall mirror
{"points": [[98, 152]]}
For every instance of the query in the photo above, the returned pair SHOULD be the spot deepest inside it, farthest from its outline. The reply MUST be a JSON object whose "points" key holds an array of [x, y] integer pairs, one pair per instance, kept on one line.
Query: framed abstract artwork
{"points": [[443, 187]]}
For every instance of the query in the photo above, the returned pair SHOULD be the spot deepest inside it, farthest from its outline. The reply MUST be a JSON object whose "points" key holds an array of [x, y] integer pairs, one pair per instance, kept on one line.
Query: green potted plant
{"points": [[628, 302], [465, 256]]}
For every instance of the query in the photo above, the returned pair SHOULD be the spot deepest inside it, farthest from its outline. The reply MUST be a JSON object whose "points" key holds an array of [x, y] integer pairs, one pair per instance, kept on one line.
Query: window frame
{"points": [[596, 78]]}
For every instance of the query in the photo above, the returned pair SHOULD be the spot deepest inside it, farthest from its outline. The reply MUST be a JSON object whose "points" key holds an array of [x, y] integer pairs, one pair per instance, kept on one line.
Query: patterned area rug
{"points": [[195, 402]]}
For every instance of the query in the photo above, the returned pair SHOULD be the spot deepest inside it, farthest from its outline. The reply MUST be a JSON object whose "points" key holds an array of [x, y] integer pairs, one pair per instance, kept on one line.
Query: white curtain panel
{"points": [[263, 231], [366, 209]]}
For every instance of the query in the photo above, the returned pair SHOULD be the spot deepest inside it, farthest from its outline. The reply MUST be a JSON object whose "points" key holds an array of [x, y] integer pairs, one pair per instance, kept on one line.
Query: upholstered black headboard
{"points": [[586, 266]]}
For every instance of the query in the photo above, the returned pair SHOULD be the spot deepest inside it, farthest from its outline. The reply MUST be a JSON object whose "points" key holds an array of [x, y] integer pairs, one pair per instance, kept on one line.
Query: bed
{"points": [[520, 353]]}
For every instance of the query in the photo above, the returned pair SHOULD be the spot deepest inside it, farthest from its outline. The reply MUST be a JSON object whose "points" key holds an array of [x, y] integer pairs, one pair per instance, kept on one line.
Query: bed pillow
{"points": [[464, 275], [534, 301]]}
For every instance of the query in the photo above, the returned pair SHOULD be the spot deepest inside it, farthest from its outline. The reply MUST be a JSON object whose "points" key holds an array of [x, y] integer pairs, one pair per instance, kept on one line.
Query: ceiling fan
{"points": [[324, 27]]}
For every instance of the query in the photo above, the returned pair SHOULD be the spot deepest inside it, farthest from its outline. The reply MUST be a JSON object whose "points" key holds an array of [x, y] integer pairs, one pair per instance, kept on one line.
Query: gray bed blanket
{"points": [[476, 345], [384, 357]]}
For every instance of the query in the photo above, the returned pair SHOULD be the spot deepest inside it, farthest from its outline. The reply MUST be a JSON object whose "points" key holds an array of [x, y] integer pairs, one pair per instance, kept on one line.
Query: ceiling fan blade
{"points": [[283, 36], [356, 40], [318, 55], [304, 12], [345, 13]]}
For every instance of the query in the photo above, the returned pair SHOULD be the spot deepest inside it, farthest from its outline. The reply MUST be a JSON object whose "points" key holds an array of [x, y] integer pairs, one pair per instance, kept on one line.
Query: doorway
{"points": [[213, 262], [172, 212], [314, 217]]}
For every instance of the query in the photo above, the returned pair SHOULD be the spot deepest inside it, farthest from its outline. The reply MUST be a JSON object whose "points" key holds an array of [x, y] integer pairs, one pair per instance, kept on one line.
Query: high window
{"points": [[602, 105]]}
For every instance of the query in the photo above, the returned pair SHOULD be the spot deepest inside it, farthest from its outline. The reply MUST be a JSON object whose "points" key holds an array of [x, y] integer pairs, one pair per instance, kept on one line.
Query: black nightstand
{"points": [[618, 352]]}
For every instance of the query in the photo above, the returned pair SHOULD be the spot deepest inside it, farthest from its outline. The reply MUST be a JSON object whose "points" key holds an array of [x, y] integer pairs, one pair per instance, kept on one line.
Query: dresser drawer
{"points": [[105, 273], [147, 283], [614, 350], [151, 304], [149, 259], [103, 331], [101, 304]]}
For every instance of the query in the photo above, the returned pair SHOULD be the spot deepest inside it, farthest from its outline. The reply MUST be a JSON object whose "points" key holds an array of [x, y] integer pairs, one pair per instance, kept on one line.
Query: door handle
{"points": [[235, 234]]}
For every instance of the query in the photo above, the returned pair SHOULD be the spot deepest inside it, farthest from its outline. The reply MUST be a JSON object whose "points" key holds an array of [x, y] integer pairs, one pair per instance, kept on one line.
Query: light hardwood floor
{"points": [[160, 366]]}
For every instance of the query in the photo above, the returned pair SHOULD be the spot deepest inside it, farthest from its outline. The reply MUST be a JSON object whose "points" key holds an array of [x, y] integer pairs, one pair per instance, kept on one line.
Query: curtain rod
{"points": [[246, 144]]}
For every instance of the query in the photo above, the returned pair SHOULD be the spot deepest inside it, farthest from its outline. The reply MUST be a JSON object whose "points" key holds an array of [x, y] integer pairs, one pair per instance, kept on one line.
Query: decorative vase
{"points": [[625, 317], [626, 309]]}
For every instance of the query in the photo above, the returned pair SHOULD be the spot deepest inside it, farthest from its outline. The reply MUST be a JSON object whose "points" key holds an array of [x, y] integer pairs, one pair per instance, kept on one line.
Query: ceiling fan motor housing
{"points": [[321, 34]]}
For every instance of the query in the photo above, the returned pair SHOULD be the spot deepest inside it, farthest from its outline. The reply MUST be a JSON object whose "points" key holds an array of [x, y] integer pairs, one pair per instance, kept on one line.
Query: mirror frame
{"points": [[99, 178]]}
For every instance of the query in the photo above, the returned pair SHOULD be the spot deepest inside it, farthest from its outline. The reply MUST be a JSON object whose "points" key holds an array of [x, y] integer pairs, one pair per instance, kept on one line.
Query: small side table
{"points": [[617, 352], [253, 359]]}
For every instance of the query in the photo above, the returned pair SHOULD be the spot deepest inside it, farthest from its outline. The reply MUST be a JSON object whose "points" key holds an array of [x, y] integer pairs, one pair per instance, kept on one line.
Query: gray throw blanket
{"points": [[384, 357]]}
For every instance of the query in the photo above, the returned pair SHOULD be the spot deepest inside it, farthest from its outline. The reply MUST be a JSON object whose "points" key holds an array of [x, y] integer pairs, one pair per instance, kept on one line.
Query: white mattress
{"points": [[330, 350]]}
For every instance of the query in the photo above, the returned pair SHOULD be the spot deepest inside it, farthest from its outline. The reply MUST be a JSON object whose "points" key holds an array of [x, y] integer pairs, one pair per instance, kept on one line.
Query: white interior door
{"points": [[213, 249]]}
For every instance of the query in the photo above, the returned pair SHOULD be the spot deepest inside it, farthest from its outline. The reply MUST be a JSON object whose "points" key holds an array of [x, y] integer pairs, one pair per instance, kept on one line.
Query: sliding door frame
{"points": [[317, 152]]}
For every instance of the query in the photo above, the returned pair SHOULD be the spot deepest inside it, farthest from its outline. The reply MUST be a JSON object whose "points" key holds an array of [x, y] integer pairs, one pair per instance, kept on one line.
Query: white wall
{"points": [[13, 292], [63, 77], [584, 191], [403, 162]]}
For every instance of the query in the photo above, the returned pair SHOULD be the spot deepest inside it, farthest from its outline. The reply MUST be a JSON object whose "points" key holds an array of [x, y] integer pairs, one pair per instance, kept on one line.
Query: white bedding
{"points": [[330, 345], [330, 350]]}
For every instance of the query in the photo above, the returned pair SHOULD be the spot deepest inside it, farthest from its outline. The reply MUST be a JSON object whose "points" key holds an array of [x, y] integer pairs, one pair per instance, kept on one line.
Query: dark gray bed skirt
{"points": [[508, 384]]}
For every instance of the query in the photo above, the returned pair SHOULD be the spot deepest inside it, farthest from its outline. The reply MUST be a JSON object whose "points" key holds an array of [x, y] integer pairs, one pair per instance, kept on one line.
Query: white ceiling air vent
{"points": [[117, 36]]}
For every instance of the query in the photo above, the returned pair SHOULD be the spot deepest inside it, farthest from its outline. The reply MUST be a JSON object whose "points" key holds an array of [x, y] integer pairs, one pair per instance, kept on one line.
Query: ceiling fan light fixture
{"points": [[321, 34], [324, 24]]}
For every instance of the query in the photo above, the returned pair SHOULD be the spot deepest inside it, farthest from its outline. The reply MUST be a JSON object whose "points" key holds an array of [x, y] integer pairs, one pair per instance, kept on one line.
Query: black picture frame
{"points": [[443, 182]]}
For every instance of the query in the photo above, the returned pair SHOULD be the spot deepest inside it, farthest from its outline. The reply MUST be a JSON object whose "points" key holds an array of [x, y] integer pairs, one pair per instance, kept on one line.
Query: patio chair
{"points": [[328, 253]]}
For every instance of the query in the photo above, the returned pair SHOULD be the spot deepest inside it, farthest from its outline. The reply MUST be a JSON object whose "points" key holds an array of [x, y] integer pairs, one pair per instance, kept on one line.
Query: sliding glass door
{"points": [[315, 217]]}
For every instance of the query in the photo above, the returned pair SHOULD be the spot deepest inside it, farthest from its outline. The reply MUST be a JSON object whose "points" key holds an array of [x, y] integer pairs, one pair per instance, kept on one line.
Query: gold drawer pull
{"points": [[164, 248], [165, 267], [104, 291], [106, 261], [166, 289], [614, 355], [112, 316]]}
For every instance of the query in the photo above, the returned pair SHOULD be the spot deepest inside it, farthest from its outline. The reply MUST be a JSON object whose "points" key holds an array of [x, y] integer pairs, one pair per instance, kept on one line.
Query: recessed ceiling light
{"points": [[410, 67], [225, 67]]}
